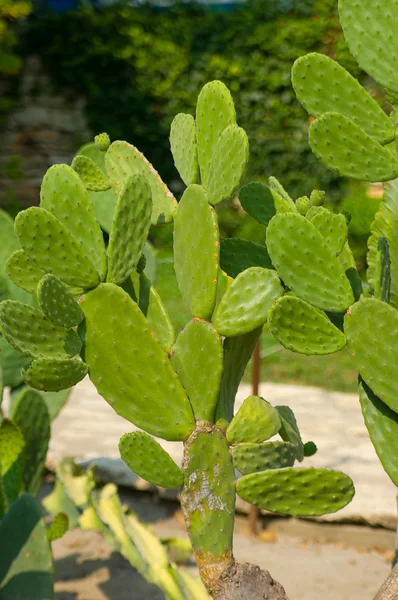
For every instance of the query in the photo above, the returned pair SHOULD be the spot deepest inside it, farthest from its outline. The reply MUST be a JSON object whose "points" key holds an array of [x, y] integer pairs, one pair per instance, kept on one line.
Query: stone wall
{"points": [[45, 128]]}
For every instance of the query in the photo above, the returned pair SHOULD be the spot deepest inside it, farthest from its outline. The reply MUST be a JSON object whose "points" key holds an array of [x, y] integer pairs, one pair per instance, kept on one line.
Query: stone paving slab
{"points": [[89, 430]]}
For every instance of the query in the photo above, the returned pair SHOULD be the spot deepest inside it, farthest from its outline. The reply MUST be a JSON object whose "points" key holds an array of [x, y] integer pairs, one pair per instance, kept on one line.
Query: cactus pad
{"points": [[197, 358], [300, 327], [228, 164], [297, 492], [237, 353], [57, 303], [32, 417], [347, 149], [92, 177], [12, 446], [153, 309], [306, 264], [289, 431], [371, 327], [51, 246], [196, 228], [26, 560], [255, 421], [333, 228], [371, 32], [322, 86], [23, 271], [123, 160], [382, 425], [237, 255], [54, 375], [145, 391], [215, 111], [183, 147], [276, 186], [63, 194], [258, 201], [130, 228], [252, 458], [208, 495], [246, 302], [58, 527], [38, 336], [146, 457]]}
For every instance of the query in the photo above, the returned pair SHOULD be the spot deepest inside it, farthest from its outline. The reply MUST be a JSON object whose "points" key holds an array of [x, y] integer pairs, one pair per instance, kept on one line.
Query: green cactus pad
{"points": [[246, 302], [28, 330], [303, 205], [53, 374], [208, 495], [255, 421], [323, 86], [32, 417], [102, 141], [63, 194], [47, 242], [289, 431], [300, 327], [123, 160], [153, 309], [197, 358], [215, 111], [228, 164], [26, 561], [276, 186], [237, 255], [23, 271], [183, 147], [130, 228], [252, 458], [306, 264], [371, 32], [146, 458], [58, 527], [347, 149], [92, 177], [297, 492], [104, 202], [382, 425], [57, 302], [118, 343], [237, 353], [317, 198], [12, 458], [11, 362], [258, 201], [196, 228], [333, 228], [371, 327]]}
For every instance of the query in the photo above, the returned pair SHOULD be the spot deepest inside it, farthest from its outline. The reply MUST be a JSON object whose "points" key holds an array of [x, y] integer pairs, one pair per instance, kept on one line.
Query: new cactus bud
{"points": [[103, 141], [317, 197], [303, 205]]}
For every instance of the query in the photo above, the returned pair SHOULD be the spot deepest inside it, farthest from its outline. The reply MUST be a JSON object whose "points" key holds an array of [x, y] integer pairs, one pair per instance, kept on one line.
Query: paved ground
{"points": [[88, 429]]}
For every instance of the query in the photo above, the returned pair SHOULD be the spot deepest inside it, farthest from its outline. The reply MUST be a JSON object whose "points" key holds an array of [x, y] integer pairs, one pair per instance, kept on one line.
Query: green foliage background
{"points": [[138, 67]]}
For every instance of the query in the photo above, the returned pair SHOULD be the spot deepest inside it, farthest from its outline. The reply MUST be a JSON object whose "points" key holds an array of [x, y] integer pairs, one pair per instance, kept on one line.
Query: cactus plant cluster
{"points": [[92, 317]]}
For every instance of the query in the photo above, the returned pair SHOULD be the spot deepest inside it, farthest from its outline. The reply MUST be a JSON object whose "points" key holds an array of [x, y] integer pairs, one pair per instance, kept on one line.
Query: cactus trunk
{"points": [[208, 503]]}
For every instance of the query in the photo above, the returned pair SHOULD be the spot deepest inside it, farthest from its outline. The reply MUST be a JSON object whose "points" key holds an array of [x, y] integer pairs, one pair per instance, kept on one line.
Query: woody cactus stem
{"points": [[208, 503]]}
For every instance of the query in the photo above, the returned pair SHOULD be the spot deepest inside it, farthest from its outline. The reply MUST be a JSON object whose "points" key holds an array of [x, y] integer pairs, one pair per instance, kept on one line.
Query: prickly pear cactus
{"points": [[98, 314]]}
